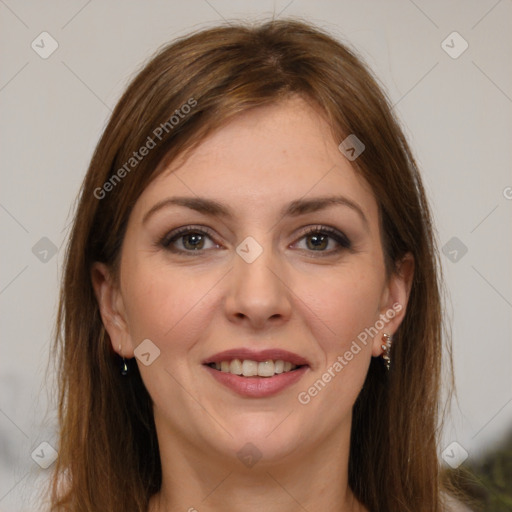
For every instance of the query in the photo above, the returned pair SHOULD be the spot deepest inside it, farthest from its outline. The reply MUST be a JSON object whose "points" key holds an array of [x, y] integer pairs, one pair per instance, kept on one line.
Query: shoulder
{"points": [[451, 504]]}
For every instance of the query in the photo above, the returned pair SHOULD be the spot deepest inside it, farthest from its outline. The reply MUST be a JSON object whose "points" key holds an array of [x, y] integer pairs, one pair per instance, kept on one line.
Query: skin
{"points": [[294, 296]]}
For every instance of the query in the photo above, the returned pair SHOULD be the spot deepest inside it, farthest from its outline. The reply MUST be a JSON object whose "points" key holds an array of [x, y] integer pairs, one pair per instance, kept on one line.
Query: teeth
{"points": [[249, 368], [266, 368], [236, 367]]}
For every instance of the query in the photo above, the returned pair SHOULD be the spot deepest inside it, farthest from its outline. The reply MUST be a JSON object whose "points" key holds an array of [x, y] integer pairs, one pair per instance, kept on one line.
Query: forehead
{"points": [[263, 158]]}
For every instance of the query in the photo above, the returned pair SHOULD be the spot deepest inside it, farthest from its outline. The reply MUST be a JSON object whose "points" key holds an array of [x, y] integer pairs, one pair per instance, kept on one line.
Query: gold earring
{"points": [[386, 347], [124, 366]]}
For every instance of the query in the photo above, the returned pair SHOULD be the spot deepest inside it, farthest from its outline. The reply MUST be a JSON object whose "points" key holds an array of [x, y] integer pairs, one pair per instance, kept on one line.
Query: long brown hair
{"points": [[108, 452]]}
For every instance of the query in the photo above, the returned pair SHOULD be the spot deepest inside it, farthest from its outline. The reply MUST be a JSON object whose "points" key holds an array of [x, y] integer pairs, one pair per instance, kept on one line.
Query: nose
{"points": [[258, 293]]}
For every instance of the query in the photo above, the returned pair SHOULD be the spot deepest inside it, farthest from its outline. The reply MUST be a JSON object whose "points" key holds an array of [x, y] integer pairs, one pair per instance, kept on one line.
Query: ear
{"points": [[112, 309], [395, 297]]}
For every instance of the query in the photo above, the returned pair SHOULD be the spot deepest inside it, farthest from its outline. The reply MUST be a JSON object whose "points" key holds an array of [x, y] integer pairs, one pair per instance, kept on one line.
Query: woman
{"points": [[250, 315]]}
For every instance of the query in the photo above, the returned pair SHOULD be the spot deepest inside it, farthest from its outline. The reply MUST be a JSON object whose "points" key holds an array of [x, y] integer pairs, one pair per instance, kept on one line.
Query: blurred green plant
{"points": [[484, 484]]}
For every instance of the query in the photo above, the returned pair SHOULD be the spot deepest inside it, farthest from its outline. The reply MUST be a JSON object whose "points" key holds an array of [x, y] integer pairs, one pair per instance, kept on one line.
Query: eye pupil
{"points": [[196, 239], [318, 240]]}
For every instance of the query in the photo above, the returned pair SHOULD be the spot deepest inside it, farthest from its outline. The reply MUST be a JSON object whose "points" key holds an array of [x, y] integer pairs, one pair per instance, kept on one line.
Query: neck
{"points": [[194, 481]]}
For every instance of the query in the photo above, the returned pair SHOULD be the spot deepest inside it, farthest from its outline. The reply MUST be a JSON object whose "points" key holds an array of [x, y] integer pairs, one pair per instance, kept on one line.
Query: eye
{"points": [[192, 240], [188, 239], [320, 238]]}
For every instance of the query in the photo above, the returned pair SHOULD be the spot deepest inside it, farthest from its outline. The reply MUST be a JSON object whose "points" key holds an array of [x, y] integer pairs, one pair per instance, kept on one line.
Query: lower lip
{"points": [[257, 387]]}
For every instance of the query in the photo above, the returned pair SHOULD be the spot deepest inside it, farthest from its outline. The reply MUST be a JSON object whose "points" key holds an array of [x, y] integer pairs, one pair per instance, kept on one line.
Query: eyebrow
{"points": [[293, 209]]}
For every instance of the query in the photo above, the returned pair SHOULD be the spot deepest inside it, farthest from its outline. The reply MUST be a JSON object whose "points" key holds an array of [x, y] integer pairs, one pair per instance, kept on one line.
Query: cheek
{"points": [[165, 306], [342, 311], [342, 306]]}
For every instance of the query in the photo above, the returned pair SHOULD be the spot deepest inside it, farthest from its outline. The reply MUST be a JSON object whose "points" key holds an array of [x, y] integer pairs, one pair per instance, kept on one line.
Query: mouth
{"points": [[251, 368], [256, 373]]}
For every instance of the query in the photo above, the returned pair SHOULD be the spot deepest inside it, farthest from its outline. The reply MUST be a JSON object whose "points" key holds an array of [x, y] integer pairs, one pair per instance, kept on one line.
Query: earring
{"points": [[386, 347], [124, 366]]}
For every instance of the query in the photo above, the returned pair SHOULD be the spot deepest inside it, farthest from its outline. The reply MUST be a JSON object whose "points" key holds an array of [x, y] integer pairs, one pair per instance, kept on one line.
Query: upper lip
{"points": [[256, 355]]}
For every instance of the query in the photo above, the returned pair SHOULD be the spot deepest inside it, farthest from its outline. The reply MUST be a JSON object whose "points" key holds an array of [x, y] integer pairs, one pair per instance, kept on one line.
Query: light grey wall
{"points": [[456, 112]]}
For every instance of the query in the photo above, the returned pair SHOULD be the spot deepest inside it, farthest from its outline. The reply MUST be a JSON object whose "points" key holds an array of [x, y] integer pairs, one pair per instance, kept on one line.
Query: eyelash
{"points": [[166, 242]]}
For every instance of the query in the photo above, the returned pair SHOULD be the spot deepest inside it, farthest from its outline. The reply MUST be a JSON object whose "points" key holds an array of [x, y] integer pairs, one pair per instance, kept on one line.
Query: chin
{"points": [[266, 438]]}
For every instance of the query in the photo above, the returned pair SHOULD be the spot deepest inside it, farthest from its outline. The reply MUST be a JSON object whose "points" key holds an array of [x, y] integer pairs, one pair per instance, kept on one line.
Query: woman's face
{"points": [[262, 246]]}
